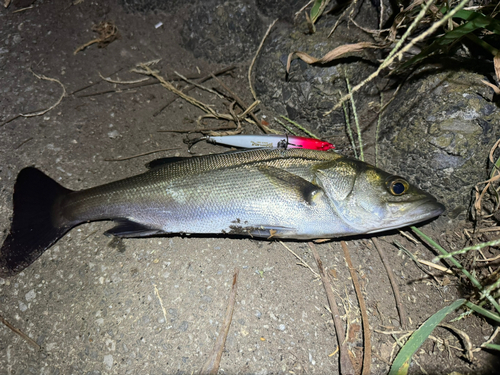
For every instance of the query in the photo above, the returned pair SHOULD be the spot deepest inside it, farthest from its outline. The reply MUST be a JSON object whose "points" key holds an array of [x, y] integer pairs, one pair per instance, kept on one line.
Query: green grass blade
{"points": [[477, 19], [315, 10], [402, 361], [486, 313], [310, 134], [457, 264], [491, 346], [474, 21]]}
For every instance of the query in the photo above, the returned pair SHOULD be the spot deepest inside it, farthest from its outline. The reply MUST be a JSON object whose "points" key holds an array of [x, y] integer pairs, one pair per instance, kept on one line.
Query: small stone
{"points": [[108, 361], [281, 327], [31, 295], [113, 134]]}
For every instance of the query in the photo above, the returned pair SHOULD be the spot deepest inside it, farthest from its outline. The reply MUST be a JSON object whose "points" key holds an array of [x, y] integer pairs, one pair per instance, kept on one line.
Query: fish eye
{"points": [[398, 186]]}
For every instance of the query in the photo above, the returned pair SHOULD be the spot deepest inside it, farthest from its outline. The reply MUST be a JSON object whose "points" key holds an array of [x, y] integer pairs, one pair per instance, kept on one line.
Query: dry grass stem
{"points": [[198, 85], [143, 154], [488, 259], [367, 346], [107, 79], [392, 279], [23, 335], [190, 87], [161, 304], [408, 237], [492, 337], [211, 366], [255, 58], [296, 13], [435, 266], [341, 17], [23, 9], [302, 262], [242, 104], [63, 94], [346, 366], [108, 32], [465, 340]]}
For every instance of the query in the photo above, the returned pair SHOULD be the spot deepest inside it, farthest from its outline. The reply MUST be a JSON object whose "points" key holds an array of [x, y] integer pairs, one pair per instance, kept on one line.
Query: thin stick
{"points": [[242, 104], [302, 261], [9, 120], [297, 125], [190, 87], [123, 82], [211, 366], [392, 279], [93, 83], [346, 367], [356, 121], [302, 9], [255, 58], [161, 303], [132, 87], [199, 86], [23, 335], [367, 352], [348, 128], [143, 154]]}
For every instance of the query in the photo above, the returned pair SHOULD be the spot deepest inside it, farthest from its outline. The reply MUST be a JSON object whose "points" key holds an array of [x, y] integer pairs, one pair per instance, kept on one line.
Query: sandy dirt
{"points": [[155, 306]]}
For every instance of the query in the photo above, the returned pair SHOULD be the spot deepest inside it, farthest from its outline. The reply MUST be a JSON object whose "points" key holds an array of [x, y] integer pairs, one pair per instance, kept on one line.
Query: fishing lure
{"points": [[279, 141]]}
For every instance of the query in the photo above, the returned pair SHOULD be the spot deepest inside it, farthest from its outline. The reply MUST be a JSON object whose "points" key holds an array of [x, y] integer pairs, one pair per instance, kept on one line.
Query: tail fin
{"points": [[37, 221]]}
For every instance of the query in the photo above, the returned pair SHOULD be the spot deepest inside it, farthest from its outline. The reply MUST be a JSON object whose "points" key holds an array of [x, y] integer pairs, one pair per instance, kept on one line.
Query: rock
{"points": [[438, 132], [224, 32]]}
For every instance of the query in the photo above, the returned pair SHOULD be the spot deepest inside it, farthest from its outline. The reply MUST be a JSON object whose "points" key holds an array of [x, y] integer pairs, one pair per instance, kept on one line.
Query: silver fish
{"points": [[296, 194]]}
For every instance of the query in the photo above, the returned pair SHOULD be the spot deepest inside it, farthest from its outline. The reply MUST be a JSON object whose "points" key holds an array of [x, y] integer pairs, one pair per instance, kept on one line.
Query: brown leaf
{"points": [[494, 87], [330, 56], [496, 63]]}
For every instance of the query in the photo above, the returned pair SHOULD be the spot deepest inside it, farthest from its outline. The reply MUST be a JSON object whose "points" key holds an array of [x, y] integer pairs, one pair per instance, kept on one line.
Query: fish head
{"points": [[370, 200]]}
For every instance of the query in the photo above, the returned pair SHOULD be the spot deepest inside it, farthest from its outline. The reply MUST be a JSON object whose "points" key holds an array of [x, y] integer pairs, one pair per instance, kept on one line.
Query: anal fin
{"points": [[127, 228]]}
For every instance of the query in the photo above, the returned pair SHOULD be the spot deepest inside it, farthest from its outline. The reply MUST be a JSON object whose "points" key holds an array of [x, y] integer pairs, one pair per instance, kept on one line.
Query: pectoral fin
{"points": [[302, 189], [128, 228]]}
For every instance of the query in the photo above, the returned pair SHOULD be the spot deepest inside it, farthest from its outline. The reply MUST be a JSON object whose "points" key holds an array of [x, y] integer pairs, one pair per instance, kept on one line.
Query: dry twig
{"points": [[143, 154], [346, 367], [108, 32], [367, 352], [23, 335], [211, 366], [397, 296], [255, 58]]}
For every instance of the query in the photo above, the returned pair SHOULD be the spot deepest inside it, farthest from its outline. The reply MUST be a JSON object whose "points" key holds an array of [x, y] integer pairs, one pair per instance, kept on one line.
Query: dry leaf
{"points": [[6, 3], [330, 56], [494, 87], [496, 63]]}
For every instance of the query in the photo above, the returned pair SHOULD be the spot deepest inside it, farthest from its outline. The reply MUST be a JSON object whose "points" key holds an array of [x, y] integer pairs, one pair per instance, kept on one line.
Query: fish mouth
{"points": [[425, 210]]}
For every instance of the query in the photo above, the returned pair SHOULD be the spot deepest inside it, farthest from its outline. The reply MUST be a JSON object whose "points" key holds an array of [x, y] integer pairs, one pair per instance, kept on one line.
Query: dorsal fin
{"points": [[163, 161]]}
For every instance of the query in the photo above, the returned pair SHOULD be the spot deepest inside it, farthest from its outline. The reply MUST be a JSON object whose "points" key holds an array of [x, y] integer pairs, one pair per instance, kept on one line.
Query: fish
{"points": [[297, 194]]}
